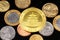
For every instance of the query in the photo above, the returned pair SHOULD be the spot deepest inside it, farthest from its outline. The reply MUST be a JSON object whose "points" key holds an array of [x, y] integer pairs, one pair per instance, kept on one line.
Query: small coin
{"points": [[22, 3], [7, 32], [32, 19], [56, 23], [12, 17], [4, 6], [36, 37], [22, 32], [50, 9], [48, 30]]}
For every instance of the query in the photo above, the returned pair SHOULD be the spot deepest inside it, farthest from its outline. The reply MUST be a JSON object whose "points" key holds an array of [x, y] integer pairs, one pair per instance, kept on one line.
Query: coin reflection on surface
{"points": [[4, 6], [22, 3], [7, 32], [12, 17], [50, 9], [32, 19], [48, 30], [36, 37], [22, 32], [56, 23]]}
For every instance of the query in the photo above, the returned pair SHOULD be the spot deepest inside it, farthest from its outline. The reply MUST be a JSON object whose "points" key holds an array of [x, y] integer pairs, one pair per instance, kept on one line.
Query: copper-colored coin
{"points": [[4, 6], [50, 10], [56, 23], [22, 3], [22, 32], [36, 37], [12, 17]]}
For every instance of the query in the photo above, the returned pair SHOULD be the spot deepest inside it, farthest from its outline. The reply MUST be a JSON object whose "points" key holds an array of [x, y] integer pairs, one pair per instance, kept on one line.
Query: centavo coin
{"points": [[22, 3], [48, 30], [56, 23], [12, 17], [22, 32], [4, 6], [36, 37], [7, 32], [32, 19], [50, 9]]}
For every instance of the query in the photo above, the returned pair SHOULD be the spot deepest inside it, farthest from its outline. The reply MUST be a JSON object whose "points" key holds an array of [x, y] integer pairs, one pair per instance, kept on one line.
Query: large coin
{"points": [[4, 6], [7, 32], [22, 32], [48, 30], [22, 3], [50, 10], [32, 19], [56, 23], [12, 17], [36, 37]]}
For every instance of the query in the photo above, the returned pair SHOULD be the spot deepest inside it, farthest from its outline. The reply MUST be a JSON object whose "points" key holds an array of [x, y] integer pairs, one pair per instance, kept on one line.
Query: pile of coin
{"points": [[29, 21]]}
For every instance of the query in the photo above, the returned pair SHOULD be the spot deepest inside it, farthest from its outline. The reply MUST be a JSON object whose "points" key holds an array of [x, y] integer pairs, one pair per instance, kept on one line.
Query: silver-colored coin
{"points": [[6, 39], [48, 30], [13, 17], [7, 32]]}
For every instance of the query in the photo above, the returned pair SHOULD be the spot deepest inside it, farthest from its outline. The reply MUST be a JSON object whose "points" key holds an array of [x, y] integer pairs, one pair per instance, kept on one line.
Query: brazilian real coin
{"points": [[4, 6], [50, 9], [36, 37], [56, 23], [12, 17], [7, 32], [48, 30], [22, 3], [32, 19]]}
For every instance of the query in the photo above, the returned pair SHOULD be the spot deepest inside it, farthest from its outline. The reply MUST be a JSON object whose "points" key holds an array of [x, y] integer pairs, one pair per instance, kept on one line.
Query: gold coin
{"points": [[36, 37], [22, 32], [4, 6], [32, 19], [22, 3], [50, 10], [12, 17], [56, 23]]}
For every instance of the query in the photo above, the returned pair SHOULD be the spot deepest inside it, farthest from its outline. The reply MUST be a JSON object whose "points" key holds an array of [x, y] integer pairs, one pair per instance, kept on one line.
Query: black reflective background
{"points": [[34, 3]]}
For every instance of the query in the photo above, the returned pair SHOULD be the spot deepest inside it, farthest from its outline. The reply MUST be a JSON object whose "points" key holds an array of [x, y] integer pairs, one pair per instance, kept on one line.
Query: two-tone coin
{"points": [[56, 23], [4, 6], [22, 3], [50, 9], [22, 32], [36, 37], [12, 17], [48, 30], [7, 32], [32, 19]]}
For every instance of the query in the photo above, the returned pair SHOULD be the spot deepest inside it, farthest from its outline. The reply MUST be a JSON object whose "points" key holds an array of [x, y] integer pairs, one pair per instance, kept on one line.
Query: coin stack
{"points": [[29, 21]]}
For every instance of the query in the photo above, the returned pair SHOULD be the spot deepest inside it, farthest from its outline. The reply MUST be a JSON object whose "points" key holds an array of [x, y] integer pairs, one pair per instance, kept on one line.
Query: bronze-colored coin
{"points": [[22, 32], [12, 17], [36, 37], [32, 19], [4, 6], [22, 3], [56, 23], [50, 10]]}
